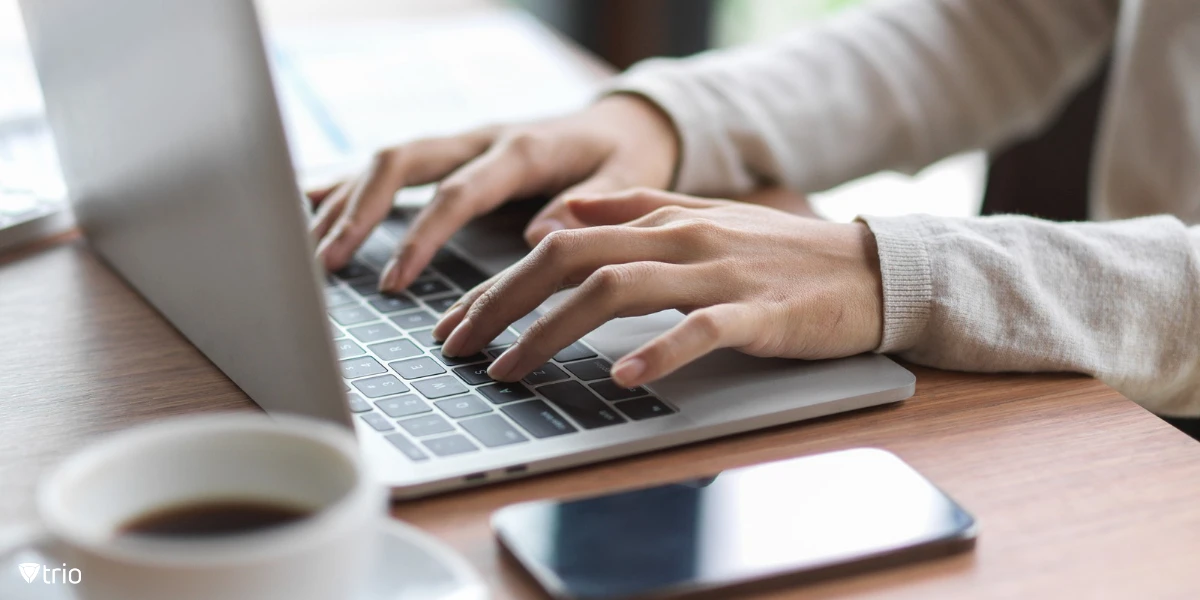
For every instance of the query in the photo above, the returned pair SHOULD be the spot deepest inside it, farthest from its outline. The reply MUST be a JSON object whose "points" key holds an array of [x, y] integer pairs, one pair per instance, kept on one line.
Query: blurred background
{"points": [[620, 32]]}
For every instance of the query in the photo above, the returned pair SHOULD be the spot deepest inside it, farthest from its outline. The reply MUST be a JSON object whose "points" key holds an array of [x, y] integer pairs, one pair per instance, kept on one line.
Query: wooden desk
{"points": [[1079, 492]]}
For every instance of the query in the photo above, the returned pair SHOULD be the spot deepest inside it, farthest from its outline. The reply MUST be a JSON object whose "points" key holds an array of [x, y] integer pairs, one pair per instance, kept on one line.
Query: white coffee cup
{"points": [[84, 504]]}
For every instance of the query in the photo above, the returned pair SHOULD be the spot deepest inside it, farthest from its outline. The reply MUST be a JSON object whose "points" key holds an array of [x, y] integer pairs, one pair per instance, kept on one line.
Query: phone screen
{"points": [[742, 525]]}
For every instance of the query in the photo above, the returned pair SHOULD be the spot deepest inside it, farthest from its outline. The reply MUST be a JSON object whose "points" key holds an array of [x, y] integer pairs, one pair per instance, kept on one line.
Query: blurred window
{"points": [[741, 21], [952, 187]]}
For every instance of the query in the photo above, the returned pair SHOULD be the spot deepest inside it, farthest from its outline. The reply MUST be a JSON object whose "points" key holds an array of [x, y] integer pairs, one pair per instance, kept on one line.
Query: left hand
{"points": [[752, 278]]}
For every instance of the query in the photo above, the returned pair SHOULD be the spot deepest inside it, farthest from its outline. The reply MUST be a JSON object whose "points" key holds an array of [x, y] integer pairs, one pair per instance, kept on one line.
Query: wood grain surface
{"points": [[1078, 492]]}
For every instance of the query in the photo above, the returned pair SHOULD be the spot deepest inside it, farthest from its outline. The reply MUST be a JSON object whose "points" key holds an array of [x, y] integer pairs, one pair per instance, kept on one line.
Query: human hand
{"points": [[619, 142], [752, 278]]}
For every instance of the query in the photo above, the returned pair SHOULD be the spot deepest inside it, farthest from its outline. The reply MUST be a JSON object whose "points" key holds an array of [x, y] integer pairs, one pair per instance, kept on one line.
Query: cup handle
{"points": [[19, 537]]}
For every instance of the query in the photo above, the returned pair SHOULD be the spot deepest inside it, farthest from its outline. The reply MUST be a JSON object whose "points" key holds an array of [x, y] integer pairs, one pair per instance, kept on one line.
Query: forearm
{"points": [[894, 86], [1119, 301]]}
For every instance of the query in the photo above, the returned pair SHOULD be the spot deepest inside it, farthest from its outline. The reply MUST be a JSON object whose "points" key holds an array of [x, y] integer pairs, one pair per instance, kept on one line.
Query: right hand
{"points": [[619, 142]]}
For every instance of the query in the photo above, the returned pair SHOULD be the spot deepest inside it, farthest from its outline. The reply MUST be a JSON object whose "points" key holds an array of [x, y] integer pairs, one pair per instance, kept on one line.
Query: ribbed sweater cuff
{"points": [[699, 169], [907, 280]]}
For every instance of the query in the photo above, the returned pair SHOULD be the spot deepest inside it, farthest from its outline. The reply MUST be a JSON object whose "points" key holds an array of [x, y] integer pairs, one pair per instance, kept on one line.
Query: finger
{"points": [[331, 209], [506, 170], [319, 194], [701, 332], [562, 259], [454, 315], [613, 291], [632, 204], [555, 215], [415, 163]]}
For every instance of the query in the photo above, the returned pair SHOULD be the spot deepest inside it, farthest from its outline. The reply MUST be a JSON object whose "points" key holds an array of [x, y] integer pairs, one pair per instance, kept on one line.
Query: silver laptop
{"points": [[172, 147]]}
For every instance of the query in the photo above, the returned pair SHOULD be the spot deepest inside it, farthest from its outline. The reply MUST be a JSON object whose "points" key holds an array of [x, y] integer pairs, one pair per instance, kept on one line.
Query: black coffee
{"points": [[214, 518]]}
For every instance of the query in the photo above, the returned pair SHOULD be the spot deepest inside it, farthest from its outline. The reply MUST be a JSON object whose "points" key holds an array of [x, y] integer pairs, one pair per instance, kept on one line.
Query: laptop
{"points": [[172, 147]]}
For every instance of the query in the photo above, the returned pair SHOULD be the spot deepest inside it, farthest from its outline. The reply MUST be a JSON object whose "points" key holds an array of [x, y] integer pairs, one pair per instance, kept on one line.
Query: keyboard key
{"points": [[544, 374], [377, 421], [500, 393], [395, 224], [426, 425], [459, 360], [355, 270], [493, 431], [440, 387], [374, 332], [462, 273], [403, 406], [443, 304], [428, 287], [573, 352], [352, 314], [495, 352], [474, 374], [360, 367], [390, 304], [462, 406], [590, 370], [395, 349], [417, 367], [408, 448], [580, 404], [538, 419], [425, 338], [450, 445], [366, 287], [357, 404], [337, 297], [415, 320], [378, 387], [506, 338], [524, 322], [346, 348], [644, 408], [612, 392], [376, 251]]}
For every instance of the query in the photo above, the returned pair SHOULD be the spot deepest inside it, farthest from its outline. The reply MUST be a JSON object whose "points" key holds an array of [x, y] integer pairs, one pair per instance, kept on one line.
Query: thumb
{"points": [[628, 205], [555, 215]]}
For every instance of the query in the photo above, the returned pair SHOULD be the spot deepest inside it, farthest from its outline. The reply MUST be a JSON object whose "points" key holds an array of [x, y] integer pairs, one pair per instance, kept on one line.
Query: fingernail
{"points": [[626, 371], [457, 338], [503, 367], [455, 312], [584, 197], [391, 273]]}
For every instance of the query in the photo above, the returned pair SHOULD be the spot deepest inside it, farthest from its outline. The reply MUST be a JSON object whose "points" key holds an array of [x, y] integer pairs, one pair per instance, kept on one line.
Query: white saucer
{"points": [[411, 565]]}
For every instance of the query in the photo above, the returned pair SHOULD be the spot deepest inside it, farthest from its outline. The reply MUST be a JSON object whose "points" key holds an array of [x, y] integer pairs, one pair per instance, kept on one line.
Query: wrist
{"points": [[644, 129], [870, 284]]}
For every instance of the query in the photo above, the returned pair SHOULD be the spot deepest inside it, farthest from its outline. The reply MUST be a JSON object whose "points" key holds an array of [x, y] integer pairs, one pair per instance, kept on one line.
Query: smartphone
{"points": [[779, 523]]}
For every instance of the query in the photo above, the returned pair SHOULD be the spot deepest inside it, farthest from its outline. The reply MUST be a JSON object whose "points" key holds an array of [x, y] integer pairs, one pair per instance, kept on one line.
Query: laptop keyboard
{"points": [[431, 406]]}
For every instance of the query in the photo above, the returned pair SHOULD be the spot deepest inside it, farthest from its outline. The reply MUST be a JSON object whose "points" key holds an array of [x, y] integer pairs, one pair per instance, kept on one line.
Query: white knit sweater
{"points": [[903, 83]]}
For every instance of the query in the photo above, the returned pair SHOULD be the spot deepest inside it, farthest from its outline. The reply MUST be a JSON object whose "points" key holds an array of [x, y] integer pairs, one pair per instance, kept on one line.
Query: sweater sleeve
{"points": [[1118, 300], [896, 85]]}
